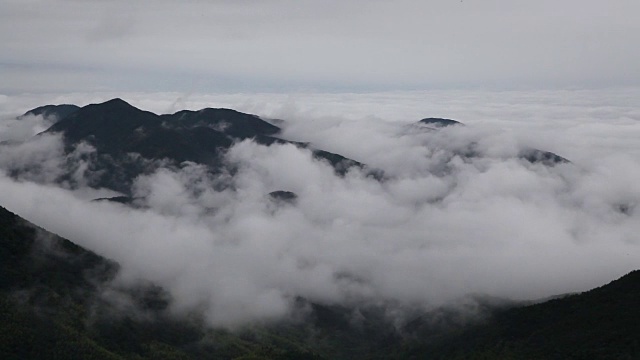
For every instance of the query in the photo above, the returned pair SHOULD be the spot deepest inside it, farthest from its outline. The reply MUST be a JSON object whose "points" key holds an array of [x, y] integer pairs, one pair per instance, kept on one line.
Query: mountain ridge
{"points": [[116, 129], [56, 111]]}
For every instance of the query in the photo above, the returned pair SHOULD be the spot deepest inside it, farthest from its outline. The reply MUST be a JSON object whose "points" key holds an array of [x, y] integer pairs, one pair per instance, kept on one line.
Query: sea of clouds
{"points": [[439, 227]]}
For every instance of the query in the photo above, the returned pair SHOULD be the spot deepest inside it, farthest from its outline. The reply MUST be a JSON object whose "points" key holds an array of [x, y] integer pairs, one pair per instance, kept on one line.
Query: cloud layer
{"points": [[441, 227], [287, 44]]}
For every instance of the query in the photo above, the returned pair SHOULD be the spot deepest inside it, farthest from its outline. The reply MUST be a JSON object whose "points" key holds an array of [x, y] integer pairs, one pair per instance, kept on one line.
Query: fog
{"points": [[439, 227]]}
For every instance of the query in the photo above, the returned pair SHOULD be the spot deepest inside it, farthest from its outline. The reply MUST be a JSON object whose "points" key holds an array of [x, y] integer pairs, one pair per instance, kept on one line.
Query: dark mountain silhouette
{"points": [[109, 125], [547, 158], [117, 130], [439, 122], [233, 123], [117, 199], [56, 111], [129, 142], [284, 196]]}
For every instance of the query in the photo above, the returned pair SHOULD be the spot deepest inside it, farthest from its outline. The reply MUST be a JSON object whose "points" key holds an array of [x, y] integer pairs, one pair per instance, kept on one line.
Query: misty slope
{"points": [[603, 323], [54, 304], [42, 287]]}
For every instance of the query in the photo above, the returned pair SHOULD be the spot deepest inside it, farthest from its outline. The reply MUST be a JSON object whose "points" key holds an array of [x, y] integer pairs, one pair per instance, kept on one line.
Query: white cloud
{"points": [[440, 227], [24, 128]]}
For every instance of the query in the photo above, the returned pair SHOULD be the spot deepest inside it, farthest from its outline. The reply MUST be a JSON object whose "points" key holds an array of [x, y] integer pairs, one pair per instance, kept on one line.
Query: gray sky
{"points": [[293, 45]]}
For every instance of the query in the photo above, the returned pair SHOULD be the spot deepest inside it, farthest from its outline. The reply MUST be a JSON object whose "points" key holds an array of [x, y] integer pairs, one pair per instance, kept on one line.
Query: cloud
{"points": [[19, 129], [441, 227], [285, 44]]}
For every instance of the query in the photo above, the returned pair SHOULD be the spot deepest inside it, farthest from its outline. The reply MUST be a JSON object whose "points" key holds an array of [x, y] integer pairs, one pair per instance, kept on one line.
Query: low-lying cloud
{"points": [[440, 226]]}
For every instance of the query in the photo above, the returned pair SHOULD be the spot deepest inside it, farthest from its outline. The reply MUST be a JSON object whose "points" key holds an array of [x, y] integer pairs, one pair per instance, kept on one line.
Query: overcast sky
{"points": [[294, 45]]}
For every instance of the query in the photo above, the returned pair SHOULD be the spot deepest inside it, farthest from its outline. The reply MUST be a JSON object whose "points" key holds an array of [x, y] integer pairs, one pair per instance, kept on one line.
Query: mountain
{"points": [[532, 155], [603, 323], [28, 254], [54, 304], [56, 298], [56, 111], [52, 307], [43, 291], [233, 123], [129, 142], [118, 130], [439, 122], [547, 158]]}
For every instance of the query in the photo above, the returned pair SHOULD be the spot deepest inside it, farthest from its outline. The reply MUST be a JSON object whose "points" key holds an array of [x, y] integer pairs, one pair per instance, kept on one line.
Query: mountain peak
{"points": [[439, 122], [109, 122], [116, 103]]}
